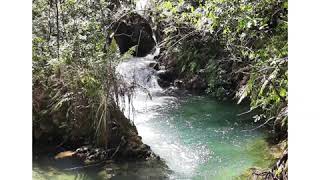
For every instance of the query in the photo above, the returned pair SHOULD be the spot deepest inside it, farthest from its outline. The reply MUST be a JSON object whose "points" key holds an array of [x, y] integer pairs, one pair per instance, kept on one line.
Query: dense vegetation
{"points": [[75, 87], [241, 47], [238, 48]]}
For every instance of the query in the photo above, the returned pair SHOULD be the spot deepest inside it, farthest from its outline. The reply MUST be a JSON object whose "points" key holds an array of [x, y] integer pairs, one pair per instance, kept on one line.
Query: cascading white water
{"points": [[191, 145], [198, 139], [178, 157], [142, 5]]}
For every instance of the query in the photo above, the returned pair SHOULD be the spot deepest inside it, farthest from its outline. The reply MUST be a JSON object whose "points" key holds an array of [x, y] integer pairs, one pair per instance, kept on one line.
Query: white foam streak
{"points": [[179, 157]]}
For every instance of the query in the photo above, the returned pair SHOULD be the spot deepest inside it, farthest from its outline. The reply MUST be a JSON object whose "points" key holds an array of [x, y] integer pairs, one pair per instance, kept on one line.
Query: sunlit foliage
{"points": [[74, 79], [241, 45]]}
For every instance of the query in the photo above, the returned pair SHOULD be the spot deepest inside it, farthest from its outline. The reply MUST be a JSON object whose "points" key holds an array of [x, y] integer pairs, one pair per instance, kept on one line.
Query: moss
{"points": [[245, 175], [270, 155], [261, 148]]}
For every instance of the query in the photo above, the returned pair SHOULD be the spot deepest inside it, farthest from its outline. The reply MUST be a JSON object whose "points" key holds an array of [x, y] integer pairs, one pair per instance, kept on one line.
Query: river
{"points": [[196, 136]]}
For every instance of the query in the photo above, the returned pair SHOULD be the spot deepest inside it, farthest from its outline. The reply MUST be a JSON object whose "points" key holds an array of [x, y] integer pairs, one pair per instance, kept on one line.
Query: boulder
{"points": [[166, 75], [178, 83], [131, 30], [197, 84]]}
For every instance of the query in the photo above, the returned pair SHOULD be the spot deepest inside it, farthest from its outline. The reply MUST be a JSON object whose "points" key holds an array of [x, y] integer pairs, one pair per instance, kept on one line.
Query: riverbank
{"points": [[89, 97], [197, 137]]}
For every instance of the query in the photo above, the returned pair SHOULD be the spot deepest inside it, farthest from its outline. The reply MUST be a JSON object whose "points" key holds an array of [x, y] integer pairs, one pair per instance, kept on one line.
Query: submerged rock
{"points": [[65, 154]]}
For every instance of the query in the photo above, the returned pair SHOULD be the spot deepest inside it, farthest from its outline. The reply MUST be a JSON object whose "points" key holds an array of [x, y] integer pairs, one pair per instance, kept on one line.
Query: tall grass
{"points": [[74, 78]]}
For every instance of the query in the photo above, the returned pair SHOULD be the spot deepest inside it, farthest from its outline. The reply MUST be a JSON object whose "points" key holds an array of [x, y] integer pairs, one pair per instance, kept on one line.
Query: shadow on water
{"points": [[201, 138], [45, 169], [196, 136]]}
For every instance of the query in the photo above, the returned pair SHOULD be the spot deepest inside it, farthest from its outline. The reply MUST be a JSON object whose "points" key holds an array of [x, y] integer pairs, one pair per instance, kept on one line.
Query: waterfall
{"points": [[138, 71], [143, 5]]}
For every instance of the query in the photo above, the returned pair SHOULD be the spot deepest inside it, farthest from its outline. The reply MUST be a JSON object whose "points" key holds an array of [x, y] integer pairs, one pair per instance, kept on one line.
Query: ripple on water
{"points": [[198, 137], [196, 141]]}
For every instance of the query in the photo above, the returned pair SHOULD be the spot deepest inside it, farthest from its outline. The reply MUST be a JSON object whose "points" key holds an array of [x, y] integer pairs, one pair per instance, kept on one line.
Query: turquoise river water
{"points": [[197, 137]]}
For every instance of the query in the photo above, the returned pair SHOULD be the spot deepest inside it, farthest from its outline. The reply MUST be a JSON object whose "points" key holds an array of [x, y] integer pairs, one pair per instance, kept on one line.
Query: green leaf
{"points": [[167, 5], [283, 92]]}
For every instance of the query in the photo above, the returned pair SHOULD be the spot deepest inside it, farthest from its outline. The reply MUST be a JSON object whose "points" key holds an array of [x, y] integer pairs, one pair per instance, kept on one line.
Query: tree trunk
{"points": [[58, 32]]}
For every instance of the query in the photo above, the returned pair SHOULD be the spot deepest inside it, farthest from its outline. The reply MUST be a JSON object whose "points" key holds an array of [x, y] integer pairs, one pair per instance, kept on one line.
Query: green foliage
{"points": [[74, 79], [241, 45]]}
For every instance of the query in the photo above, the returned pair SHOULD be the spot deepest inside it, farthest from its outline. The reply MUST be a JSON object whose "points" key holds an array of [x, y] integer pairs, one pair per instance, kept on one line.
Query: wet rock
{"points": [[162, 74], [163, 83], [166, 75], [178, 83], [174, 91], [83, 149], [131, 30], [196, 84], [155, 66], [162, 68], [165, 78], [91, 155]]}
